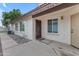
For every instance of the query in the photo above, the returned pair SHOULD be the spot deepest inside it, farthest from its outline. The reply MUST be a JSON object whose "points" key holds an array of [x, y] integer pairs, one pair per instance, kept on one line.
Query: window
{"points": [[21, 26], [16, 27], [49, 25], [53, 25]]}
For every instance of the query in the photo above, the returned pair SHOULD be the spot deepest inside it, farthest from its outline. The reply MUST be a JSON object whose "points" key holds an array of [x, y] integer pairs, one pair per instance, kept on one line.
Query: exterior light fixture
{"points": [[61, 17]]}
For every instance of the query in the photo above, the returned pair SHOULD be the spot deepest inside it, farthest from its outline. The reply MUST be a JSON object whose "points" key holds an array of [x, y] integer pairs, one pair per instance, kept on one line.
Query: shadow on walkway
{"points": [[19, 39]]}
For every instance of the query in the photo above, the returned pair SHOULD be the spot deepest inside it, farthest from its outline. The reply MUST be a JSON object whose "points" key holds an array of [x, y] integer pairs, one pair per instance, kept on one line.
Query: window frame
{"points": [[53, 25], [48, 26], [16, 26], [22, 26]]}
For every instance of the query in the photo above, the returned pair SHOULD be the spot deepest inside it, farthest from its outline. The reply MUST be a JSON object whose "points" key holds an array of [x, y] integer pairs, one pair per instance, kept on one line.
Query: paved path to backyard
{"points": [[35, 48], [32, 48]]}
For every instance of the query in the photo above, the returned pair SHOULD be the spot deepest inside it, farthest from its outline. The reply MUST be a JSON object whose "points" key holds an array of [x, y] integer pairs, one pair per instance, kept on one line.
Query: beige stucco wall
{"points": [[64, 26], [28, 23]]}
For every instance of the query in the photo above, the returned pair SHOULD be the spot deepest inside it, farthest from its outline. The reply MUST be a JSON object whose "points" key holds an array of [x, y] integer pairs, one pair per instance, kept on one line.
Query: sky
{"points": [[24, 7]]}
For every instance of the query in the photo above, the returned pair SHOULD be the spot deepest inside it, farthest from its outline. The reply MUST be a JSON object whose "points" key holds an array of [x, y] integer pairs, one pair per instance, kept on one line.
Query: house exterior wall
{"points": [[64, 25], [28, 31]]}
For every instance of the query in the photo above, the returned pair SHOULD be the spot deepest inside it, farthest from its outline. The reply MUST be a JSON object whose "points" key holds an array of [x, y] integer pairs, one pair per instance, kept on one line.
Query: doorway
{"points": [[38, 29], [75, 30]]}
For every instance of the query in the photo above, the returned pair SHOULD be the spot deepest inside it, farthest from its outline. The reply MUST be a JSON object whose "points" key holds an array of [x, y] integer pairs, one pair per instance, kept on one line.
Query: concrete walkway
{"points": [[61, 49], [6, 41], [36, 48], [32, 48]]}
